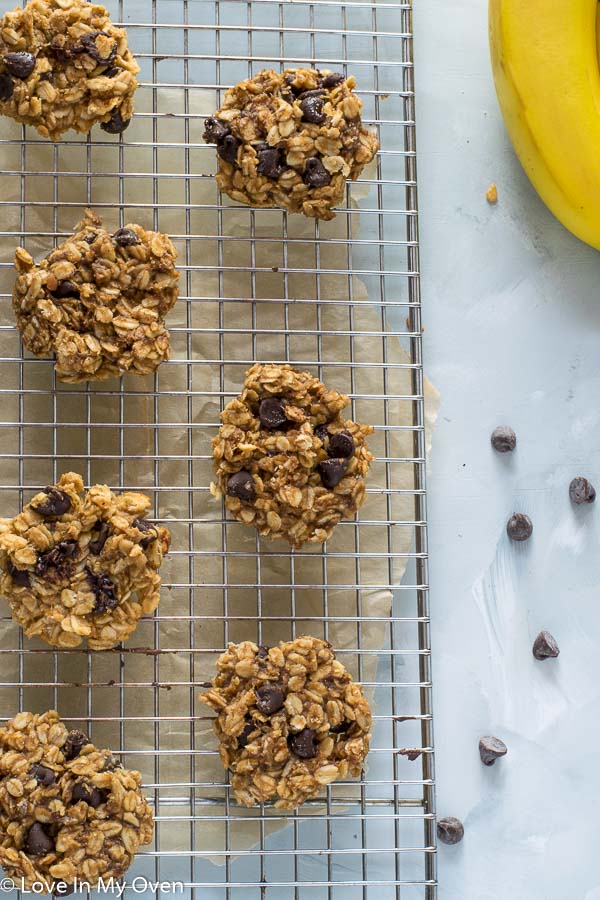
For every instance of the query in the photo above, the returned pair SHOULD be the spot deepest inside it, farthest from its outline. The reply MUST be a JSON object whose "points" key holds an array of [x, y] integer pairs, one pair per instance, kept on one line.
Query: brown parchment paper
{"points": [[220, 582]]}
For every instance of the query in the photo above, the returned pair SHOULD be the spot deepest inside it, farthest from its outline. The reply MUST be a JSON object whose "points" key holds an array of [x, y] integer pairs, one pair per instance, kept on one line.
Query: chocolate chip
{"points": [[110, 73], [90, 238], [6, 86], [111, 763], [491, 749], [303, 743], [74, 744], [269, 698], [43, 775], [90, 47], [20, 577], [341, 444], [289, 81], [315, 173], [105, 591], [545, 646], [450, 830], [332, 471], [271, 413], [37, 841], [270, 162], [116, 124], [314, 92], [242, 740], [215, 131], [148, 529], [64, 51], [59, 558], [227, 149], [263, 652], [332, 79], [241, 485], [62, 889], [581, 491], [519, 527], [503, 439], [322, 432], [312, 107], [20, 64], [66, 289], [125, 237], [341, 728], [89, 794], [96, 546]]}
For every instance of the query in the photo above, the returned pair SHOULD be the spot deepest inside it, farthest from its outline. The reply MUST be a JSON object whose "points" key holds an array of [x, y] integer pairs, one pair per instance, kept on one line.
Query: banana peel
{"points": [[545, 61]]}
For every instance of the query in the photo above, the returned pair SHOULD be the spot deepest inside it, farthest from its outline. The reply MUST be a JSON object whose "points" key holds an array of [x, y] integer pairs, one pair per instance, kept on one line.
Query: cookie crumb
{"points": [[491, 195]]}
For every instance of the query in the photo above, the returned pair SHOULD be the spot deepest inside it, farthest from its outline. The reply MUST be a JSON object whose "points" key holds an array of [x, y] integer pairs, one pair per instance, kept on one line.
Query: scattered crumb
{"points": [[491, 195], [411, 753]]}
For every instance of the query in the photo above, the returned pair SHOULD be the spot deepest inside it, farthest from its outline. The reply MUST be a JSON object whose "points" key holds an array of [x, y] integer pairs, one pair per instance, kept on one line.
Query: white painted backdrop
{"points": [[512, 316]]}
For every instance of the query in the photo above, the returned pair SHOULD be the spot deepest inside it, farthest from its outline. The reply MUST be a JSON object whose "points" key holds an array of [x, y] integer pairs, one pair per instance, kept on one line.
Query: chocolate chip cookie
{"points": [[81, 564], [290, 720], [286, 460], [291, 140], [63, 64], [98, 301], [67, 809]]}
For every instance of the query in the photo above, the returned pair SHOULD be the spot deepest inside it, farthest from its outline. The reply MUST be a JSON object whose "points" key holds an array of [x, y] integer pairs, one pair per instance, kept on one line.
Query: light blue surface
{"points": [[512, 318]]}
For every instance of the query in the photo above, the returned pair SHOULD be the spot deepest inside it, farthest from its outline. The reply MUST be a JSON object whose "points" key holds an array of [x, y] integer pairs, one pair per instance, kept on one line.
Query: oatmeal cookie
{"points": [[81, 565], [67, 809], [63, 64], [98, 301], [290, 720], [291, 139], [286, 459]]}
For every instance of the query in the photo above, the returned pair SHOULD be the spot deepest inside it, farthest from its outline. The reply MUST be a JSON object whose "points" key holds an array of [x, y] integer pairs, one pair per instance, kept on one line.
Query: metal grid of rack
{"points": [[341, 299]]}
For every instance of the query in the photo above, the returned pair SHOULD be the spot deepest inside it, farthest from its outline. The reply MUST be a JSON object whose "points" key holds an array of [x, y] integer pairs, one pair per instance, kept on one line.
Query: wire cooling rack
{"points": [[341, 299]]}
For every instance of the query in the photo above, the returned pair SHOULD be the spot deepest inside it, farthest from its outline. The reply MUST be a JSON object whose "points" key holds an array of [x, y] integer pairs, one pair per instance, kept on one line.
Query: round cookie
{"points": [[286, 459], [63, 64], [81, 565], [67, 809], [290, 720], [98, 301], [291, 140]]}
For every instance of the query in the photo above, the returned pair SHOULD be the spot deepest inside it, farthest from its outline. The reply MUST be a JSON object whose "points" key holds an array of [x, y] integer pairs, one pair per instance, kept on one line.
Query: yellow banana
{"points": [[546, 69]]}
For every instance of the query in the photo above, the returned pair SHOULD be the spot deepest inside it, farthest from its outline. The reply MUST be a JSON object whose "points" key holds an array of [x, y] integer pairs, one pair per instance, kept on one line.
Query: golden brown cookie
{"points": [[99, 301], [67, 809], [63, 64], [290, 720], [286, 459], [81, 565], [291, 139]]}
